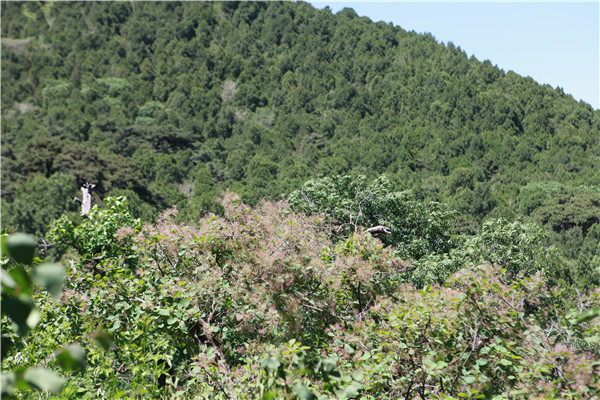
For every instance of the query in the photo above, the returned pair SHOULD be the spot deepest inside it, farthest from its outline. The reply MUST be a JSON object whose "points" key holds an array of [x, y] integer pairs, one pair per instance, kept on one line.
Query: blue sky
{"points": [[554, 43]]}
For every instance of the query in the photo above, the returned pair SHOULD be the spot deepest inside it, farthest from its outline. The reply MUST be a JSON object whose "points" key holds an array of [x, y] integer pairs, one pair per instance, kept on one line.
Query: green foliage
{"points": [[517, 247], [259, 302], [588, 263], [39, 201], [20, 269], [143, 98], [474, 337], [94, 239], [170, 103], [350, 204]]}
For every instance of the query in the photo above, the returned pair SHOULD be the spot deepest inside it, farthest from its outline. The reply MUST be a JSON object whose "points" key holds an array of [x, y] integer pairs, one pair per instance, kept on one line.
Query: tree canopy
{"points": [[141, 98]]}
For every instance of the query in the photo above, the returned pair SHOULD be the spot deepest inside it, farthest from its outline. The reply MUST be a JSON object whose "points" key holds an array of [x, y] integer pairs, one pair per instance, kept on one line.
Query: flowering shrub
{"points": [[473, 337], [260, 303]]}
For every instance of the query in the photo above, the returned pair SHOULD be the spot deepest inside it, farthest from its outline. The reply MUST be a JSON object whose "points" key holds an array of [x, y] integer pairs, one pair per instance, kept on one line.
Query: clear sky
{"points": [[554, 43]]}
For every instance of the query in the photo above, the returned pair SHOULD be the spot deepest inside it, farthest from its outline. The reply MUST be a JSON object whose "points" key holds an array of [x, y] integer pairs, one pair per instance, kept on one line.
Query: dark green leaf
{"points": [[7, 343], [21, 247], [303, 392], [71, 358], [269, 362], [51, 277], [22, 311], [44, 379], [587, 315], [103, 340]]}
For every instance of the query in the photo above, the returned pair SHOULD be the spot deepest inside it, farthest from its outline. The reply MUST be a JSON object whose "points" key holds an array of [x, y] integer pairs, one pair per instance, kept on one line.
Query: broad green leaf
{"points": [[303, 392], [20, 310], [352, 390], [271, 395], [7, 383], [270, 362], [22, 279], [21, 247], [71, 358], [51, 277], [44, 379], [183, 303], [358, 376], [3, 246], [328, 365], [348, 349], [7, 281], [102, 340], [116, 325], [587, 315], [33, 318]]}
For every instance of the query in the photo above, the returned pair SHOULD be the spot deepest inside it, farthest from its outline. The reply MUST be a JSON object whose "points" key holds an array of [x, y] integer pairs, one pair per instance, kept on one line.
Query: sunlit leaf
{"points": [[7, 281], [328, 365], [51, 277], [269, 395], [22, 279], [303, 392], [270, 362], [7, 383], [21, 247], [352, 390], [44, 379]]}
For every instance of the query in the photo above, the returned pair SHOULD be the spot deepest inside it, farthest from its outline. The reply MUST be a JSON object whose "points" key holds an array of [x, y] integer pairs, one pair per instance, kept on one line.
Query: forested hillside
{"points": [[411, 223], [171, 103]]}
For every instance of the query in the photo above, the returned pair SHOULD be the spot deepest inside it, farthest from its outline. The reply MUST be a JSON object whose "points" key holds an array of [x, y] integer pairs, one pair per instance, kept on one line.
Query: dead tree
{"points": [[379, 230], [86, 201]]}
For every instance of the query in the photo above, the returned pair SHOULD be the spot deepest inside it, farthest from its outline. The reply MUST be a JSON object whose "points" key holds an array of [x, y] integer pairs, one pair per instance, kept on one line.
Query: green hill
{"points": [[438, 238], [170, 103]]}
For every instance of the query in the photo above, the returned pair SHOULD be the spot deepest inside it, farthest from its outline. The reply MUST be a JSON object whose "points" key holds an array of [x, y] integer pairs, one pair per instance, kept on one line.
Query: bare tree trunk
{"points": [[379, 229], [86, 202]]}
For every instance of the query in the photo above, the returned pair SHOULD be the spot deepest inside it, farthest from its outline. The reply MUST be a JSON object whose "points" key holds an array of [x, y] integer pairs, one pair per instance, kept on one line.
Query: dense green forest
{"points": [[171, 103], [352, 210]]}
